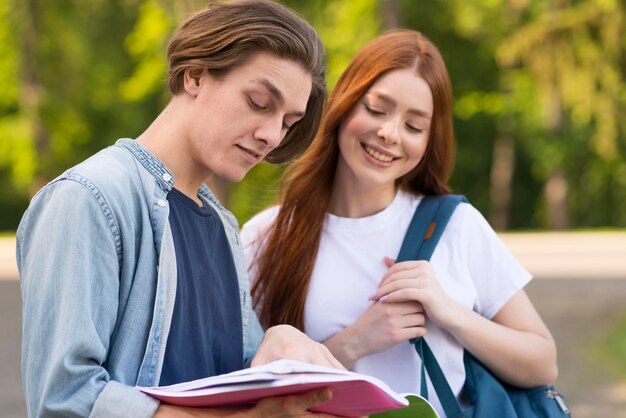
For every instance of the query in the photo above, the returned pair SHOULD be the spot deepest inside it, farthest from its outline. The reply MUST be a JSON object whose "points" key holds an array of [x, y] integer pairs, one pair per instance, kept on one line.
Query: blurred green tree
{"points": [[64, 69], [539, 90], [572, 53], [539, 95]]}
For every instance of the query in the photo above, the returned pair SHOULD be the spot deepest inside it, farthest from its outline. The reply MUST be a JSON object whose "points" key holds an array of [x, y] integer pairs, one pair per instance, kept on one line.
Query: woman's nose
{"points": [[390, 131]]}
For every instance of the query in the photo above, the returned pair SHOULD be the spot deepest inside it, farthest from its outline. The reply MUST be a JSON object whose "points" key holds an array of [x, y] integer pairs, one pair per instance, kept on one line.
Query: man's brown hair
{"points": [[227, 35]]}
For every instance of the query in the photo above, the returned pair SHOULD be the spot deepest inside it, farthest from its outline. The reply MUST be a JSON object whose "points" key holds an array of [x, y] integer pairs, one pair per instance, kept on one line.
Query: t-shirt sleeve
{"points": [[253, 234], [497, 275]]}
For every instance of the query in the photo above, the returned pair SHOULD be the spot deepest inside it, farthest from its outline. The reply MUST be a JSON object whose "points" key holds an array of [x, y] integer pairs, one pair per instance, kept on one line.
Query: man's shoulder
{"points": [[113, 170], [111, 165], [111, 176]]}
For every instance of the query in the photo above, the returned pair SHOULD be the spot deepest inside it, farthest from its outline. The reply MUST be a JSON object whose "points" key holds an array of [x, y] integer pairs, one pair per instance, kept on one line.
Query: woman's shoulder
{"points": [[263, 218], [468, 221], [258, 224], [466, 212]]}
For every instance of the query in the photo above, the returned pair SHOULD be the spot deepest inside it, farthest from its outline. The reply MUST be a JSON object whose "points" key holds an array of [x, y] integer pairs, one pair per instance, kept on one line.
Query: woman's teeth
{"points": [[378, 156]]}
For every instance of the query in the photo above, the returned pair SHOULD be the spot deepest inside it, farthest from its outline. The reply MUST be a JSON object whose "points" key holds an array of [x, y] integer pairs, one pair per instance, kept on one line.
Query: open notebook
{"points": [[354, 394]]}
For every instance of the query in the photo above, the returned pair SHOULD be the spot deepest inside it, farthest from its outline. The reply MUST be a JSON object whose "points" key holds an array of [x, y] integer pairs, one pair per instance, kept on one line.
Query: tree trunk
{"points": [[30, 98], [555, 192], [555, 188], [389, 14], [502, 168]]}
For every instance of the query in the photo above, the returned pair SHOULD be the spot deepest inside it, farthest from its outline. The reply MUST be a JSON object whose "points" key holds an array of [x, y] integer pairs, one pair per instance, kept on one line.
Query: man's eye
{"points": [[255, 105]]}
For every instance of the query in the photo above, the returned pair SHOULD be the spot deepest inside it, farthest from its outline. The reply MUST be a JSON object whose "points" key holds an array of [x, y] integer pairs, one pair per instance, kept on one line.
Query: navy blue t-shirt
{"points": [[205, 336]]}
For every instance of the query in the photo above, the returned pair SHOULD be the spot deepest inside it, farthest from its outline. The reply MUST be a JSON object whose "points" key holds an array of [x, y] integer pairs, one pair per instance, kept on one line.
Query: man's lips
{"points": [[251, 153]]}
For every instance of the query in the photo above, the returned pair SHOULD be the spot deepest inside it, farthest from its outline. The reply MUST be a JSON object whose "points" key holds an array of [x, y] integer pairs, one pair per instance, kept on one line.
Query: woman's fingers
{"points": [[405, 269], [413, 320], [384, 292], [402, 295], [283, 341]]}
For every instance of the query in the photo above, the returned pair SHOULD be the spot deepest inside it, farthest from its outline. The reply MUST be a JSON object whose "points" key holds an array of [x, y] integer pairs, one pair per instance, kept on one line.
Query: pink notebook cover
{"points": [[354, 395]]}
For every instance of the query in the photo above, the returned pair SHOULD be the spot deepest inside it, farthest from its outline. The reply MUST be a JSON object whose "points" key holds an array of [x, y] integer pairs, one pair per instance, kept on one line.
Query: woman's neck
{"points": [[359, 202]]}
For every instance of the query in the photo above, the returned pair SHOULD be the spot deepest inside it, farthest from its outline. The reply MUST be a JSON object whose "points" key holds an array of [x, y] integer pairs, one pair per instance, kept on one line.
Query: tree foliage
{"points": [[539, 95], [549, 74]]}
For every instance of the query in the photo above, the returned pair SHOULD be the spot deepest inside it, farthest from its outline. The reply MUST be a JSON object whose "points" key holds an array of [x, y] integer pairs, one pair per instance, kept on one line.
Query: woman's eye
{"points": [[414, 128], [374, 111]]}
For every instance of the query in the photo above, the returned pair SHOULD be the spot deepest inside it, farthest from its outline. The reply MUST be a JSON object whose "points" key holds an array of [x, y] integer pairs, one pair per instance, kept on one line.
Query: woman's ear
{"points": [[192, 80]]}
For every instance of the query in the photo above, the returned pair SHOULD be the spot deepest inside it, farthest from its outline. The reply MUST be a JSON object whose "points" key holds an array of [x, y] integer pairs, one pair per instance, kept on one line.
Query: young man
{"points": [[132, 272]]}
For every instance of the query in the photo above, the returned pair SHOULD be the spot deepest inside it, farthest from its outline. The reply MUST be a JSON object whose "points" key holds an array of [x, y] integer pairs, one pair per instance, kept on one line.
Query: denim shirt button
{"points": [[161, 203], [166, 176]]}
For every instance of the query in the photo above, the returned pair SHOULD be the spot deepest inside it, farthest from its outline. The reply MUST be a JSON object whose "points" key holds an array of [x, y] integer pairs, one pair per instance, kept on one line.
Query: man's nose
{"points": [[271, 132]]}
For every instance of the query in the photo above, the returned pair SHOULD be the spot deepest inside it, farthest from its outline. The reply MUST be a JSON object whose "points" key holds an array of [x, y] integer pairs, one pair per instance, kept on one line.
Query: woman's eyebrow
{"points": [[389, 101]]}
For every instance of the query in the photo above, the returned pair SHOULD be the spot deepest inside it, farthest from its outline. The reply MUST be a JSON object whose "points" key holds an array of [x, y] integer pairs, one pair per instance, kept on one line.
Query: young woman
{"points": [[323, 260]]}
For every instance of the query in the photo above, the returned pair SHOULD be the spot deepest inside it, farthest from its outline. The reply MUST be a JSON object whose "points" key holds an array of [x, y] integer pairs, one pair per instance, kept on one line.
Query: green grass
{"points": [[611, 350]]}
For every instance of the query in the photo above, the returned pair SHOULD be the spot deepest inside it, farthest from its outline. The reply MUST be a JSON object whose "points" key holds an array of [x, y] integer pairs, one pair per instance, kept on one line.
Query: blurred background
{"points": [[540, 106]]}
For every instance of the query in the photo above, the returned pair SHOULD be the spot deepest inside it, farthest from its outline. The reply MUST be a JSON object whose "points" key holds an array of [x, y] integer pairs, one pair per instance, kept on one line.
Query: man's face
{"points": [[234, 121]]}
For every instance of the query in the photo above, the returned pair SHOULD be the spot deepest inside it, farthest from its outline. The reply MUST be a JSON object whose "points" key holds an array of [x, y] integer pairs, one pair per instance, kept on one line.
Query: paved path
{"points": [[580, 313], [573, 255], [8, 267], [580, 292], [11, 396]]}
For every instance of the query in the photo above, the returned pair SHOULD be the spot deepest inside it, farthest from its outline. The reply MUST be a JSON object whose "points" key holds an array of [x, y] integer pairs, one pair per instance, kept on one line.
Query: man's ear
{"points": [[192, 80]]}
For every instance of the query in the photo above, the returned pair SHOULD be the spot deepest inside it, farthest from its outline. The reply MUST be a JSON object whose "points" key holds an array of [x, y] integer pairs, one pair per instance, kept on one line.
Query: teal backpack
{"points": [[488, 396]]}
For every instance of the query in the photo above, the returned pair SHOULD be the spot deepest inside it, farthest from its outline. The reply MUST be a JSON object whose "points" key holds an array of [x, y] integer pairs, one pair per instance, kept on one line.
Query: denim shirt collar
{"points": [[165, 177], [162, 174]]}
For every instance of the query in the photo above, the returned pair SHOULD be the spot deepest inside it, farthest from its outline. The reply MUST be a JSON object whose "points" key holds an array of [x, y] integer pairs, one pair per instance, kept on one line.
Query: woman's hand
{"points": [[415, 281], [502, 343], [286, 342], [380, 327]]}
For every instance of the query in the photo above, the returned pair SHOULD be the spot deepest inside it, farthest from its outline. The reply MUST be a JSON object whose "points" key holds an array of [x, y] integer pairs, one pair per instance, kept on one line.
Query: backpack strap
{"points": [[427, 226], [425, 230]]}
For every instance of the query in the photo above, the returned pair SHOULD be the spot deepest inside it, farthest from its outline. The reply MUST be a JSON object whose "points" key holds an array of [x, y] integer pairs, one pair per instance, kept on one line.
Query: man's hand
{"points": [[292, 406], [286, 342], [296, 406]]}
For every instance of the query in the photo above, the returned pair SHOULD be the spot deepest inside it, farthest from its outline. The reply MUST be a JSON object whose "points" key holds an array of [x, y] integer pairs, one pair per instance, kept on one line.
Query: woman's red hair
{"points": [[286, 259]]}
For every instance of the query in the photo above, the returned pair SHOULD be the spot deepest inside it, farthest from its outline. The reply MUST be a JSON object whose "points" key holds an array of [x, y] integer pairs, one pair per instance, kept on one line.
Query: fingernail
{"points": [[371, 297], [326, 394], [384, 298]]}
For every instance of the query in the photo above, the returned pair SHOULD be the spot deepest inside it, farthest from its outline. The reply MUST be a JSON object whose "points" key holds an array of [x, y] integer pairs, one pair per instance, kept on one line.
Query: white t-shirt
{"points": [[470, 261]]}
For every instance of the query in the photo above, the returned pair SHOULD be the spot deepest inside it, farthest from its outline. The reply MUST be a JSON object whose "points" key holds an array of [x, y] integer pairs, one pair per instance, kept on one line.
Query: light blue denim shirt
{"points": [[98, 279]]}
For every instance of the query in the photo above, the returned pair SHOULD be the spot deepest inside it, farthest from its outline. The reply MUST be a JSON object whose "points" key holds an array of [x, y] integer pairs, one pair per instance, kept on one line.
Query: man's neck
{"points": [[165, 139]]}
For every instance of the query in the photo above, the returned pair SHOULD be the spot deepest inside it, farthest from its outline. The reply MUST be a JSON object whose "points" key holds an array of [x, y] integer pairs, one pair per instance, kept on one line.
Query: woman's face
{"points": [[385, 135]]}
